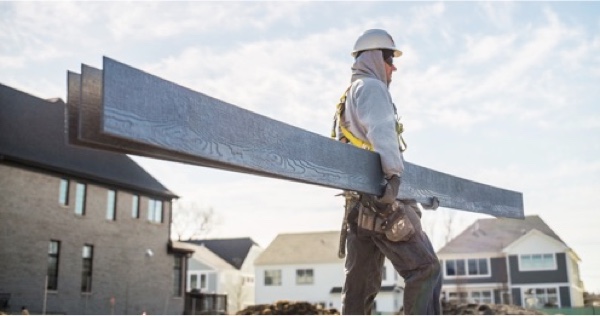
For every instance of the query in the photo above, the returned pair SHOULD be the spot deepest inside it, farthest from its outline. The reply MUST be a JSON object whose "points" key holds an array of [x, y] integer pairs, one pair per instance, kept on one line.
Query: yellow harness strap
{"points": [[348, 137]]}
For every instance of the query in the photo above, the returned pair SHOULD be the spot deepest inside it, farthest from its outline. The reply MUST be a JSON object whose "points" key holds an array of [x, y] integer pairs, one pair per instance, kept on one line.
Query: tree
{"points": [[440, 226], [239, 291], [449, 223], [191, 221]]}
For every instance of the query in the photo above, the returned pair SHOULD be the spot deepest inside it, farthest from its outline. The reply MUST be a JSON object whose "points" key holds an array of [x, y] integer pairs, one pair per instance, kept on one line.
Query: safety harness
{"points": [[348, 137], [372, 219]]}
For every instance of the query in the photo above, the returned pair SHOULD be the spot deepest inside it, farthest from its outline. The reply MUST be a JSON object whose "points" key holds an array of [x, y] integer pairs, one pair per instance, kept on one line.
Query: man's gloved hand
{"points": [[390, 192]]}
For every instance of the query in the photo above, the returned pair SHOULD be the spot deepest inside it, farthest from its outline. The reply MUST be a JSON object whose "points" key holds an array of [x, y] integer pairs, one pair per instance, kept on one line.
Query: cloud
{"points": [[40, 32], [501, 75], [425, 17], [159, 20], [500, 14], [481, 49]]}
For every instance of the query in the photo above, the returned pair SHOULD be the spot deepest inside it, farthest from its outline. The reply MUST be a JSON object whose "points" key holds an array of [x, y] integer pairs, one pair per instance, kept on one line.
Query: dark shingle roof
{"points": [[32, 133], [494, 234], [233, 250]]}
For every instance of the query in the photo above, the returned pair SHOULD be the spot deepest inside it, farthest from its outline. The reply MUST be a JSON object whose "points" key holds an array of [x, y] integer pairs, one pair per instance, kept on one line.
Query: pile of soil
{"points": [[288, 308], [486, 309], [305, 308]]}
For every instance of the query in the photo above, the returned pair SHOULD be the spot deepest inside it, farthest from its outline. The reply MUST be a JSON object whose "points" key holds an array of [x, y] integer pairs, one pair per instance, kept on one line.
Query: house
{"points": [[224, 266], [511, 261], [82, 231], [306, 267]]}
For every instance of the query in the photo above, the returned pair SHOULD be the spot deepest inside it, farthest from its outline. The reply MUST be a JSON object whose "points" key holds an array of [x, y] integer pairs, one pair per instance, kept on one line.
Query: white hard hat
{"points": [[375, 39]]}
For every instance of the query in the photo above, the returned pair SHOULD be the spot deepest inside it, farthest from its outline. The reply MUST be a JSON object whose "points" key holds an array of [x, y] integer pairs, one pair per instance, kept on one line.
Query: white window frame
{"points": [[523, 266], [111, 205], [305, 276], [481, 298], [546, 296], [202, 286], [135, 206], [155, 211], [80, 198], [247, 280], [472, 296], [458, 297], [63, 192], [276, 279], [466, 267]]}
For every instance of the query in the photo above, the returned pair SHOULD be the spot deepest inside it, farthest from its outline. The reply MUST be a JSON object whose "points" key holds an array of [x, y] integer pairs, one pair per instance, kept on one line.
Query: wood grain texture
{"points": [[84, 119], [178, 122]]}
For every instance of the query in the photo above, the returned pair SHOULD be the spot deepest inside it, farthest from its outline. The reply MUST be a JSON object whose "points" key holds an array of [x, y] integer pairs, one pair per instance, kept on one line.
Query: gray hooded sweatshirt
{"points": [[369, 113]]}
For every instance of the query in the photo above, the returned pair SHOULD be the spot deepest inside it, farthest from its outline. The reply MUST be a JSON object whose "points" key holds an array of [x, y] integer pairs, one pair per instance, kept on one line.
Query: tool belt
{"points": [[377, 220]]}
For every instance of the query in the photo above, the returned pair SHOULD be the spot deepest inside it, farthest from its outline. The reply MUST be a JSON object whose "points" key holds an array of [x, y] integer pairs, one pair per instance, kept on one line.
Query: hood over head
{"points": [[369, 64]]}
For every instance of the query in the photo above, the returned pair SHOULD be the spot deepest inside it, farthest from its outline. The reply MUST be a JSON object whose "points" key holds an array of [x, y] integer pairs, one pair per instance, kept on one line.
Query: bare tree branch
{"points": [[191, 221]]}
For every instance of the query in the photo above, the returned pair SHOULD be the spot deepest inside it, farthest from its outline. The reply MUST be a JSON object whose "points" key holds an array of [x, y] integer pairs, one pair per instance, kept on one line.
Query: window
{"points": [[304, 276], [540, 297], [460, 267], [477, 266], [537, 262], [467, 267], [194, 281], [198, 281], [471, 297], [80, 199], [481, 297], [450, 267], [247, 280], [87, 256], [111, 205], [272, 277], [52, 274], [177, 275], [155, 211], [63, 192], [460, 297], [135, 206]]}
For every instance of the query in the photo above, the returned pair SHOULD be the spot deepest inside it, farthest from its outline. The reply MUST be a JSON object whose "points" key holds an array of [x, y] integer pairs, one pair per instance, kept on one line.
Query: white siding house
{"points": [[223, 266], [305, 267], [511, 261]]}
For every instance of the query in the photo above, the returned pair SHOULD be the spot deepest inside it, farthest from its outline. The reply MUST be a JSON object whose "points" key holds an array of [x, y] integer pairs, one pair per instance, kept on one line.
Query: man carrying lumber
{"points": [[381, 226]]}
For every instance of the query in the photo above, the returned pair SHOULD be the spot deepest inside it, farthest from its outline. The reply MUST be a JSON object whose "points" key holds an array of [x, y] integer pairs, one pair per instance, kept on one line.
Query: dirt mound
{"points": [[288, 308], [305, 308], [486, 309]]}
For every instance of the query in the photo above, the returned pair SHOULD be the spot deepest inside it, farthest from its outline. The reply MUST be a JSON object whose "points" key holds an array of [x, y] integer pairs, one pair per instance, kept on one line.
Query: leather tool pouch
{"points": [[369, 223], [390, 221], [399, 227]]}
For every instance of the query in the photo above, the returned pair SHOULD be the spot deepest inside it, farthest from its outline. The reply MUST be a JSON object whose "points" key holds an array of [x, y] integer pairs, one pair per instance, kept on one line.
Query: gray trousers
{"points": [[415, 260]]}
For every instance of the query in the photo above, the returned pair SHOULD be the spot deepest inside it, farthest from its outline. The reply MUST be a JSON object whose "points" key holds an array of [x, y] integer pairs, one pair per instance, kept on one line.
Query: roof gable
{"points": [[32, 133], [234, 250], [495, 234], [535, 241], [205, 256], [298, 248]]}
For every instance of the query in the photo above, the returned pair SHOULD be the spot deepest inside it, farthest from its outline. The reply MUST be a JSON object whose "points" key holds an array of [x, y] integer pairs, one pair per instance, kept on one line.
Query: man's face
{"points": [[389, 69]]}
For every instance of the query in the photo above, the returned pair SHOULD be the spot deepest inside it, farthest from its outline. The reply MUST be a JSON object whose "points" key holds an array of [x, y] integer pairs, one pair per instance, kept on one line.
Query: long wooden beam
{"points": [[144, 114], [84, 117]]}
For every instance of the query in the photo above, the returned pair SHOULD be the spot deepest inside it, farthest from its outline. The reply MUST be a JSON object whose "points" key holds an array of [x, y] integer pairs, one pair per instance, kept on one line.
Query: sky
{"points": [[503, 93]]}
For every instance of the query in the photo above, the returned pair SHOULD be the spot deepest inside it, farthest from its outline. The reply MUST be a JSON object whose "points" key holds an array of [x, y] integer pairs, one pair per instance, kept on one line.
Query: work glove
{"points": [[384, 202], [390, 192]]}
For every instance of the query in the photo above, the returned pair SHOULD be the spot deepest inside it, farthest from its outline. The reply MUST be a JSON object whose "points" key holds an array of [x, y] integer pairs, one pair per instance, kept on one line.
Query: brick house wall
{"points": [[31, 216]]}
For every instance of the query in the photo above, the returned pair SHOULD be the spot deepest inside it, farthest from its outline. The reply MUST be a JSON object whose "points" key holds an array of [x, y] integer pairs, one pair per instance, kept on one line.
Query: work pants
{"points": [[415, 260]]}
